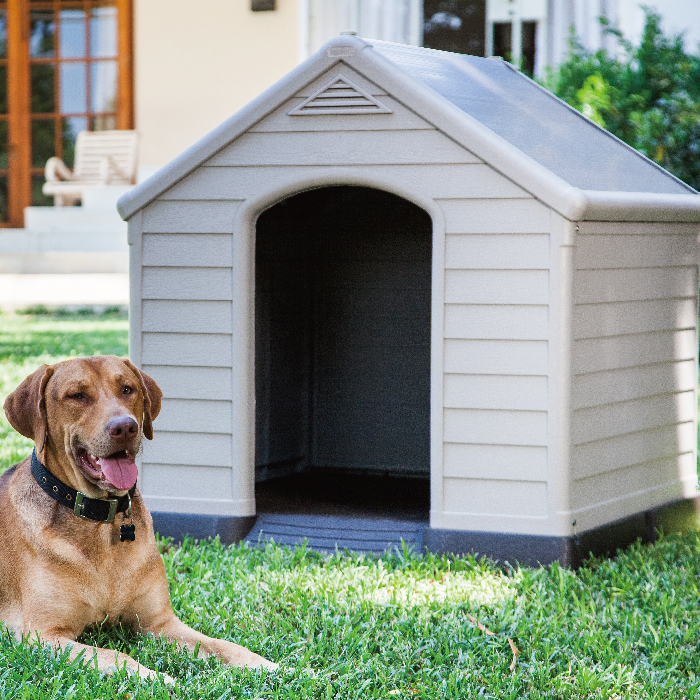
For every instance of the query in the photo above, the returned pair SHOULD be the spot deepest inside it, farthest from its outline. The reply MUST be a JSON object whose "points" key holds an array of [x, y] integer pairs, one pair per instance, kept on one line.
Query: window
{"points": [[505, 46], [455, 25], [69, 63]]}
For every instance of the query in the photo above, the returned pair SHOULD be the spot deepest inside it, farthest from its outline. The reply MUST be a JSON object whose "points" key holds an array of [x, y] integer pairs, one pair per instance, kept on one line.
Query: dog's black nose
{"points": [[122, 427]]}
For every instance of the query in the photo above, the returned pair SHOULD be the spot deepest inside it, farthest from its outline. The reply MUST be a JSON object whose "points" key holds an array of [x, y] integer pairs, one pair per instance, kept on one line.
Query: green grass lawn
{"points": [[400, 626]]}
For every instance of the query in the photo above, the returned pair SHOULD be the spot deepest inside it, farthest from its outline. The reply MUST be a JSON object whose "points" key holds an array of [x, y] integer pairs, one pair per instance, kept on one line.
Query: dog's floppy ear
{"points": [[152, 396], [25, 407]]}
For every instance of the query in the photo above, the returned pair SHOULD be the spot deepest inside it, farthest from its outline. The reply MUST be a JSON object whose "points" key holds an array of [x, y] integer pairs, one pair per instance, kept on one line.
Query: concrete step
{"points": [[64, 262], [324, 533], [20, 240], [19, 291], [73, 220]]}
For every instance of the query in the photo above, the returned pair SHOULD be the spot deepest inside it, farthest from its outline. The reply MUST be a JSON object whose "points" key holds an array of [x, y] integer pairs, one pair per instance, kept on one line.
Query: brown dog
{"points": [[59, 572]]}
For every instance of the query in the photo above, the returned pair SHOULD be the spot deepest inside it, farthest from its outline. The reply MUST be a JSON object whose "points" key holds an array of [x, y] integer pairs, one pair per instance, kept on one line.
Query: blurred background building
{"points": [[174, 69]]}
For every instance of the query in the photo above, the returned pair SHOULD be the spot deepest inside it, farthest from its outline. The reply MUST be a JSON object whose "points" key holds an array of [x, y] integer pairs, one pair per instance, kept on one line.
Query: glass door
{"points": [[70, 70]]}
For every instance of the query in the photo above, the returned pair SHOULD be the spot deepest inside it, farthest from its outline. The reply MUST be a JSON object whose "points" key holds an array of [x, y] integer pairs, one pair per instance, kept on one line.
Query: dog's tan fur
{"points": [[60, 573]]}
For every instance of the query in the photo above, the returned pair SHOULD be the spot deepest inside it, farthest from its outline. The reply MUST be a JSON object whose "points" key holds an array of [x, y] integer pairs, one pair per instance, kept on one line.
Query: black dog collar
{"points": [[102, 510]]}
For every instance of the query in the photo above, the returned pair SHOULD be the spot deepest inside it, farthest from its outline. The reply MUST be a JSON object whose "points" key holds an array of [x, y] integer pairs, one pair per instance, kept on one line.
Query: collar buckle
{"points": [[78, 508]]}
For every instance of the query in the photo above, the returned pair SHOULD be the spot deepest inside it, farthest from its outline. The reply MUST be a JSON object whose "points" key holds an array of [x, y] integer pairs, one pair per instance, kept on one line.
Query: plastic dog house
{"points": [[420, 263]]}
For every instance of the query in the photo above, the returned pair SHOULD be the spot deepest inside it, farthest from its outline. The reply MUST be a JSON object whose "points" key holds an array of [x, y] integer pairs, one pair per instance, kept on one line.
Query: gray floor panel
{"points": [[323, 533]]}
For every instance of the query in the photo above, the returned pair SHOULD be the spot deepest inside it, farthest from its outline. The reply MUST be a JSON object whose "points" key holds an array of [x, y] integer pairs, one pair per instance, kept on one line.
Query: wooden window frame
{"points": [[20, 170]]}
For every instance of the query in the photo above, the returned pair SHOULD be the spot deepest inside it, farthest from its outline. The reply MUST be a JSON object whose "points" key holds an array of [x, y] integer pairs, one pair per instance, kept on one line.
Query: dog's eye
{"points": [[78, 396], [127, 390]]}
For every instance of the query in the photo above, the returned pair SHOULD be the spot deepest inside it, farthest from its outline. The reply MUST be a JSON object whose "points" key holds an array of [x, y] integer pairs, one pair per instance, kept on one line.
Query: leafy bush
{"points": [[647, 95]]}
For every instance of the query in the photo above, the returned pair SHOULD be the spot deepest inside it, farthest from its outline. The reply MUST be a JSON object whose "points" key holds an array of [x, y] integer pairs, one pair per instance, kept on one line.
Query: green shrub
{"points": [[648, 95]]}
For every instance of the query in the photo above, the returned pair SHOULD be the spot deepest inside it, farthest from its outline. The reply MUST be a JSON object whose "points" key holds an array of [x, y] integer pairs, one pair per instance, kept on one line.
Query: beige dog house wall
{"points": [[558, 318]]}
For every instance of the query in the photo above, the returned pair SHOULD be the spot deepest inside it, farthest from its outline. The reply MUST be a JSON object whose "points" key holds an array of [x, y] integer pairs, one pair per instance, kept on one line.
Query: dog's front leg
{"points": [[107, 659], [230, 653]]}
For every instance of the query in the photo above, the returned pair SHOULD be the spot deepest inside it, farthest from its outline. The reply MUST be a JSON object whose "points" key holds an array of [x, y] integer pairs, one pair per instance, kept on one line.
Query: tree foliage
{"points": [[647, 95]]}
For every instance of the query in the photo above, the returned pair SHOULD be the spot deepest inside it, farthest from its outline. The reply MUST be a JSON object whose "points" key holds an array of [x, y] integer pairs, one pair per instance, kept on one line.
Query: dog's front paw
{"points": [[269, 665]]}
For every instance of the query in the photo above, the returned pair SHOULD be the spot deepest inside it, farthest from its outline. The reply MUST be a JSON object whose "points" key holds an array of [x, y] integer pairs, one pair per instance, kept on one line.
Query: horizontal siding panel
{"points": [[190, 416], [496, 357], [596, 286], [507, 462], [342, 148], [186, 250], [497, 252], [497, 287], [620, 251], [596, 355], [493, 497], [191, 349], [186, 316], [192, 382], [633, 383], [496, 427], [605, 487], [489, 321], [599, 422], [189, 217], [400, 118], [607, 228], [188, 449], [188, 283], [599, 320], [485, 216], [495, 392], [626, 450], [186, 481], [457, 180]]}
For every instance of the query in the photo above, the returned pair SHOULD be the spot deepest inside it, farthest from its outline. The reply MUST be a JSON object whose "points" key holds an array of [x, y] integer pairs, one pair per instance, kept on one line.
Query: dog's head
{"points": [[88, 415]]}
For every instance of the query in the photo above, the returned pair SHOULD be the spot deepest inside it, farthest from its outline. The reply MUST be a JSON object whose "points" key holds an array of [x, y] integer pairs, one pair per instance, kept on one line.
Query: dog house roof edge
{"points": [[571, 202]]}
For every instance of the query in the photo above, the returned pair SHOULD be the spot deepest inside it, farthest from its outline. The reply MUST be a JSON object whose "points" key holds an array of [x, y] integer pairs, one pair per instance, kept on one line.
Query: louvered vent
{"points": [[340, 96]]}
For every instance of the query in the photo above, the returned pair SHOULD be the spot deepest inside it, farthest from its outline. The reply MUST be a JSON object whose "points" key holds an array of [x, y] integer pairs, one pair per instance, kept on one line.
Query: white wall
{"points": [[389, 20], [678, 16], [198, 63]]}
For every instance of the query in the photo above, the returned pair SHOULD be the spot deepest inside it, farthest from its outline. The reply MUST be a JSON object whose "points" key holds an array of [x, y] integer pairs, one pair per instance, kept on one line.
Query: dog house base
{"points": [[570, 551], [230, 529], [527, 550]]}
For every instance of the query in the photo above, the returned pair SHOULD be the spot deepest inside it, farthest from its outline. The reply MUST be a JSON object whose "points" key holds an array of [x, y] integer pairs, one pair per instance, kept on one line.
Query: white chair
{"points": [[101, 158]]}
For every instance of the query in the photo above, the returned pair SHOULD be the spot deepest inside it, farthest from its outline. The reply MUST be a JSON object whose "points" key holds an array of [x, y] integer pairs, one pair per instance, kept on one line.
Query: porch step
{"points": [[18, 291], [73, 220], [324, 533], [63, 262], [21, 240]]}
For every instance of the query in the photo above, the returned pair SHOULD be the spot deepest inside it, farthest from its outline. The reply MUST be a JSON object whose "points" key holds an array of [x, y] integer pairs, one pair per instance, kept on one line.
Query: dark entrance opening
{"points": [[342, 355]]}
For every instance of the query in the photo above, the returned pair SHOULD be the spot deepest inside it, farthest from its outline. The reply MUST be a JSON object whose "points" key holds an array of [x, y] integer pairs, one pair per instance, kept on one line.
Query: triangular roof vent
{"points": [[340, 96]]}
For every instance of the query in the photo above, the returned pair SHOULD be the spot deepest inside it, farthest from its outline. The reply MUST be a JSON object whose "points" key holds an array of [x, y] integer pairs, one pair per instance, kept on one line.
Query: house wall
{"points": [[196, 64], [490, 435], [635, 358], [678, 17]]}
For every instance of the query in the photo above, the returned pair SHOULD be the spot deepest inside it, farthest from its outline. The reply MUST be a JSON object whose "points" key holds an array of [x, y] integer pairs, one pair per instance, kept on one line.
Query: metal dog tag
{"points": [[127, 532]]}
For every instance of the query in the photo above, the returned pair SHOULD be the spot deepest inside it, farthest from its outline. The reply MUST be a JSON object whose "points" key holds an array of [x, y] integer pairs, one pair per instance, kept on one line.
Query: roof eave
{"points": [[634, 206]]}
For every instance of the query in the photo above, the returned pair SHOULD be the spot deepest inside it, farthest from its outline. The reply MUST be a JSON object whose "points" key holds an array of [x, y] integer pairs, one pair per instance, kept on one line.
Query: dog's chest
{"points": [[103, 577]]}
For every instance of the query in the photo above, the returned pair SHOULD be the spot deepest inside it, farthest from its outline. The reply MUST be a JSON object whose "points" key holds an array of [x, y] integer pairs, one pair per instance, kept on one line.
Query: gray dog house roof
{"points": [[534, 121], [532, 137]]}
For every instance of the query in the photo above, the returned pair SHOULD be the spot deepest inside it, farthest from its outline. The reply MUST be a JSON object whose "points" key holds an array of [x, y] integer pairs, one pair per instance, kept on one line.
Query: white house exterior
{"points": [[563, 312], [233, 53]]}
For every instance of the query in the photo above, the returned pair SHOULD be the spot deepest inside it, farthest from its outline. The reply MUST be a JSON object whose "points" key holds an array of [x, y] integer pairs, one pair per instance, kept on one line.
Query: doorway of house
{"points": [[342, 354]]}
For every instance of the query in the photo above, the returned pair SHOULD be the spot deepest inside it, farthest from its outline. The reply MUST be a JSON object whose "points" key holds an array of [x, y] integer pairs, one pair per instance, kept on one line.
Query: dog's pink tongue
{"points": [[120, 471]]}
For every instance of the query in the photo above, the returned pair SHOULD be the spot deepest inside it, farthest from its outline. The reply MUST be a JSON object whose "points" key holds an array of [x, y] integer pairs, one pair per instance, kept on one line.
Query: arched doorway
{"points": [[342, 354]]}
